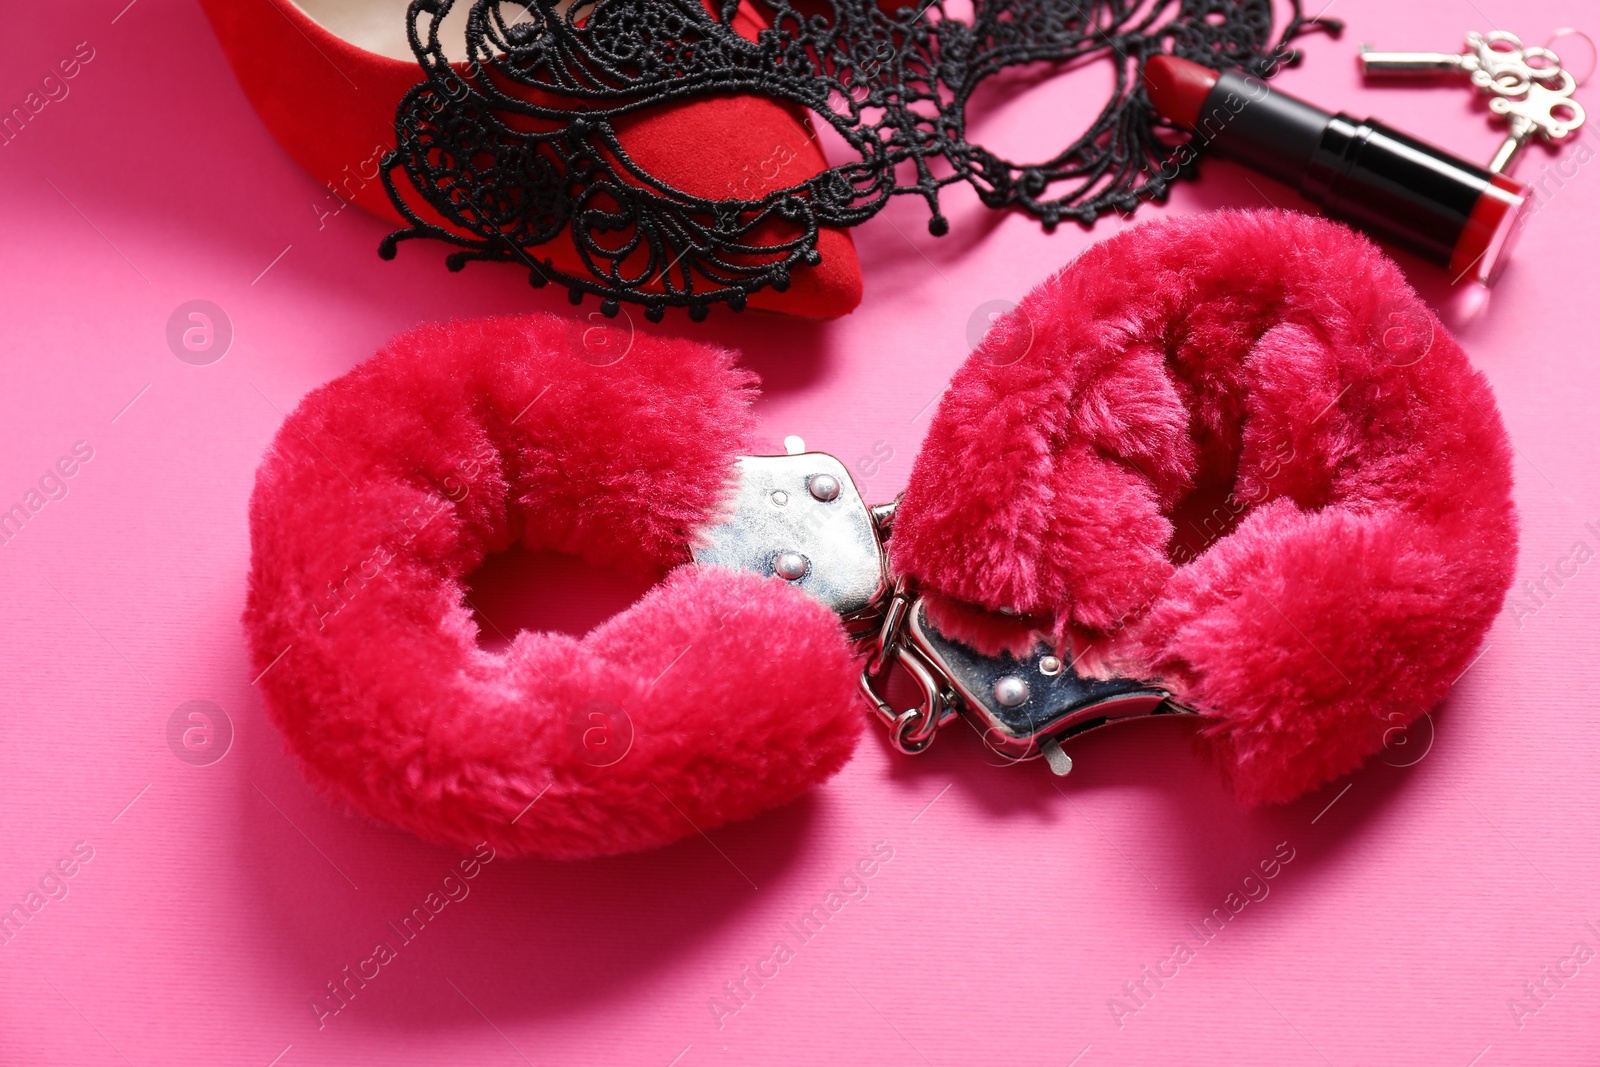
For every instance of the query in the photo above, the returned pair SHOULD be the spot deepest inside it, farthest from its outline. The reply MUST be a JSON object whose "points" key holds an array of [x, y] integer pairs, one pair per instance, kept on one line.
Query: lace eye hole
{"points": [[532, 163]]}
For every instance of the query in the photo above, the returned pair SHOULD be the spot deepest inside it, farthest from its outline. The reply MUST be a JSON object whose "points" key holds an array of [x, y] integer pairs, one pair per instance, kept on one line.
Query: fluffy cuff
{"points": [[386, 488], [1242, 457]]}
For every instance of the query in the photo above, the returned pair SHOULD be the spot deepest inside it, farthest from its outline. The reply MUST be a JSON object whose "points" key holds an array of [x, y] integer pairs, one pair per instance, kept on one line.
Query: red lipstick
{"points": [[1447, 210]]}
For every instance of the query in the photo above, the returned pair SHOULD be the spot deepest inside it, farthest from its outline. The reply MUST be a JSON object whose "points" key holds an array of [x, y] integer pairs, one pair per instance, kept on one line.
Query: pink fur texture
{"points": [[1242, 457], [386, 488]]}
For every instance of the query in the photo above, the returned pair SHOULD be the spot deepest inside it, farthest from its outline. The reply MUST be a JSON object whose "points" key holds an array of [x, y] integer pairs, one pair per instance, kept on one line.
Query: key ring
{"points": [[1594, 54]]}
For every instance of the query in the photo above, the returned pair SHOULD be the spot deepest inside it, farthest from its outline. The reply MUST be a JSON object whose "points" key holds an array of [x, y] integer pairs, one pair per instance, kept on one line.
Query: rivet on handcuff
{"points": [[800, 517]]}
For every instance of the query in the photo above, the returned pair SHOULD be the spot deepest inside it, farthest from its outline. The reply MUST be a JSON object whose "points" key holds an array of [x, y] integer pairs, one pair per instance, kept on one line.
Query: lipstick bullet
{"points": [[1446, 209]]}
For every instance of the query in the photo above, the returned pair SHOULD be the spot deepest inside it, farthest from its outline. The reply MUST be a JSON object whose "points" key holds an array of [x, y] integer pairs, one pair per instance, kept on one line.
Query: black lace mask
{"points": [[894, 83]]}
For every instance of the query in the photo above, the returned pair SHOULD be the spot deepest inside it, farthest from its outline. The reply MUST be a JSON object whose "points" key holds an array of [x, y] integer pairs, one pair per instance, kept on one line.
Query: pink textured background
{"points": [[220, 899]]}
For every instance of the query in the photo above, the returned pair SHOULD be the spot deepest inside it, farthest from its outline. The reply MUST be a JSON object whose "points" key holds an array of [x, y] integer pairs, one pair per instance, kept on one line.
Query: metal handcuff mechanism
{"points": [[800, 517]]}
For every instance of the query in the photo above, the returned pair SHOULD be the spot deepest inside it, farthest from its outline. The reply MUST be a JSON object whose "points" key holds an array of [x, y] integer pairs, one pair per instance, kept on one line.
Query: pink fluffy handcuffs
{"points": [[1226, 466]]}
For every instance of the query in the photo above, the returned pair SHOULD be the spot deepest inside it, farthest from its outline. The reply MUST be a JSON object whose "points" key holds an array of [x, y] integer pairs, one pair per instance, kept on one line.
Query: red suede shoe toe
{"points": [[331, 105]]}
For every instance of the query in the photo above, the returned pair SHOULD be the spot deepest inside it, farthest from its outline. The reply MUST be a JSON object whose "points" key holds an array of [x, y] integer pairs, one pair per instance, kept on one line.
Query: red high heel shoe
{"points": [[327, 75]]}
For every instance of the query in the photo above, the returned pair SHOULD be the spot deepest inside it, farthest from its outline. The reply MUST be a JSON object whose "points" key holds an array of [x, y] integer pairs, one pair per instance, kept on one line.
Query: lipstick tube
{"points": [[1444, 208]]}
